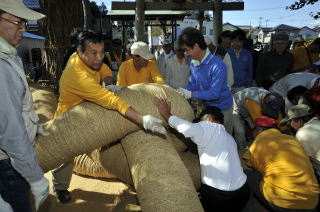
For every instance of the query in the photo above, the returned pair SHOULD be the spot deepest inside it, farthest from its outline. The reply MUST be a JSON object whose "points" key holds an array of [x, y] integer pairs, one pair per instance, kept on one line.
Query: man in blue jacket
{"points": [[208, 80], [242, 62]]}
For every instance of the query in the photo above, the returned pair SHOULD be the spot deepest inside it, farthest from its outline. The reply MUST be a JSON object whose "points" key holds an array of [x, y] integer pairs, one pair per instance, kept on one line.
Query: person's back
{"points": [[283, 85], [177, 72], [306, 55], [288, 180]]}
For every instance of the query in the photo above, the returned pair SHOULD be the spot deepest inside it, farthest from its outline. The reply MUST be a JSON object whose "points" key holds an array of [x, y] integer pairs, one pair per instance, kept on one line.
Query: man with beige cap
{"points": [[19, 168]]}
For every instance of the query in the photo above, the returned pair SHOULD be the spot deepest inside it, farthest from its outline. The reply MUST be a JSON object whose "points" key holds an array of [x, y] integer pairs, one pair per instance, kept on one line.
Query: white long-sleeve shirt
{"points": [[176, 73], [219, 159], [227, 61]]}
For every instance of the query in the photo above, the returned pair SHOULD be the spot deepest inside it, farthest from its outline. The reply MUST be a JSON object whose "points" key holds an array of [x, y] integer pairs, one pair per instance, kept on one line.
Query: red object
{"points": [[264, 121]]}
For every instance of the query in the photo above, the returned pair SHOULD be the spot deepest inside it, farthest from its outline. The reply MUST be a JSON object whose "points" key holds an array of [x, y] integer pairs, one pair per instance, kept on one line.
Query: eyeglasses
{"points": [[17, 23]]}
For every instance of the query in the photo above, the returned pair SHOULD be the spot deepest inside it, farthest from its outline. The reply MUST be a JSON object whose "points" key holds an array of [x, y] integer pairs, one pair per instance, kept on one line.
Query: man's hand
{"points": [[185, 93], [164, 107], [40, 191], [114, 88], [153, 124]]}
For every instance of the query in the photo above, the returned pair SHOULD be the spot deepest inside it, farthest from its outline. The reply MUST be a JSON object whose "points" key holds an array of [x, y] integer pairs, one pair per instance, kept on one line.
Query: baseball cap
{"points": [[264, 121], [281, 37], [18, 9], [297, 111], [273, 103], [142, 49], [166, 42], [116, 42]]}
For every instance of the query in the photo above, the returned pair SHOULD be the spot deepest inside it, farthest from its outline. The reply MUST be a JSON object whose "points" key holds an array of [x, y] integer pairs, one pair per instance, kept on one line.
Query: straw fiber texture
{"points": [[88, 126], [44, 103], [84, 165], [160, 178]]}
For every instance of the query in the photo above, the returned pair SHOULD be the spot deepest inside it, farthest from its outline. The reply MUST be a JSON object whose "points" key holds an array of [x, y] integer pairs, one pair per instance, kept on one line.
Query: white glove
{"points": [[185, 93], [114, 88], [41, 131], [153, 124], [40, 191], [5, 207]]}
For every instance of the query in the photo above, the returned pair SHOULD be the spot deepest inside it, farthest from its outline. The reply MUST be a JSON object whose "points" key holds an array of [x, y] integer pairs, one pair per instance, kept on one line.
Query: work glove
{"points": [[5, 207], [153, 124], [40, 191], [41, 131], [185, 93], [114, 88]]}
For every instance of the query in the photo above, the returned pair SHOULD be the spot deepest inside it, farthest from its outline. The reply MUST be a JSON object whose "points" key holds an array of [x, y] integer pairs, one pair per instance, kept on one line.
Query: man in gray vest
{"points": [[19, 168]]}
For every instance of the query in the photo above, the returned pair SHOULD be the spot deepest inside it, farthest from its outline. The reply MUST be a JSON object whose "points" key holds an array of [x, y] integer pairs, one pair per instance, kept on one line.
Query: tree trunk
{"points": [[139, 21], [62, 17]]}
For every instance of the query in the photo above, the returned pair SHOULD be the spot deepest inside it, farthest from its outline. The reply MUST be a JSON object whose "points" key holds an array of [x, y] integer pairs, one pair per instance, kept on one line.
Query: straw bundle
{"points": [[160, 178], [44, 103], [88, 126]]}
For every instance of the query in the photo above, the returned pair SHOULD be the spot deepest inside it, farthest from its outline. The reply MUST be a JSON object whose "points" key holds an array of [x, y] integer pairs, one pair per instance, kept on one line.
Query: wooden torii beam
{"points": [[140, 6]]}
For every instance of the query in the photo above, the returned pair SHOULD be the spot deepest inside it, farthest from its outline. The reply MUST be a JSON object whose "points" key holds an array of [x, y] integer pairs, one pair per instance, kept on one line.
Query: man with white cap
{"points": [[165, 55], [139, 69], [19, 168]]}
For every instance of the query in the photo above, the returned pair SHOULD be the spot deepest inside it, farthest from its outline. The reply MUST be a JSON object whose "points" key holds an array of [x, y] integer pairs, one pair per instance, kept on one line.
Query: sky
{"points": [[268, 13]]}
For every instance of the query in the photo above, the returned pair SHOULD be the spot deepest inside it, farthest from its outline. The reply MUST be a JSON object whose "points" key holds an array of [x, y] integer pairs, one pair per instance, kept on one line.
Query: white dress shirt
{"points": [[219, 159]]}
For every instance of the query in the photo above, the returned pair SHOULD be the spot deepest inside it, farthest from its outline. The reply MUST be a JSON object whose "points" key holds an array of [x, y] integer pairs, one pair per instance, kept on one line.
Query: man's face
{"points": [[295, 124], [93, 55], [225, 42], [139, 62], [237, 44], [193, 52], [117, 49], [280, 47], [10, 32], [167, 48]]}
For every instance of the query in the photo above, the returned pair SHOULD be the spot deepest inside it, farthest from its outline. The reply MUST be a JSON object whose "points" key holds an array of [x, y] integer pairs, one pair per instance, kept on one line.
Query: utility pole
{"points": [[267, 22], [260, 19], [139, 21]]}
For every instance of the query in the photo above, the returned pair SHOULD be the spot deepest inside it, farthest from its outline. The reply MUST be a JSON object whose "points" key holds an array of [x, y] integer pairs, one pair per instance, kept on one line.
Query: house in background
{"points": [[293, 32], [32, 25], [306, 32], [264, 35]]}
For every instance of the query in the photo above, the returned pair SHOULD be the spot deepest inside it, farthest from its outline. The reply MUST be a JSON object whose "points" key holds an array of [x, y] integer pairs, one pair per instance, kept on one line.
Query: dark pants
{"points": [[254, 179], [213, 199], [14, 189]]}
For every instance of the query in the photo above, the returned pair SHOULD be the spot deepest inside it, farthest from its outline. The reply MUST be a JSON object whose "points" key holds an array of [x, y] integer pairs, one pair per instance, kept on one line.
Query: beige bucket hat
{"points": [[297, 111], [142, 49], [18, 9]]}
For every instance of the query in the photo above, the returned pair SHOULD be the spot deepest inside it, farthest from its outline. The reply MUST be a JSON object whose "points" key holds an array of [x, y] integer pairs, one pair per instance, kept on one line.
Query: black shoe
{"points": [[63, 196]]}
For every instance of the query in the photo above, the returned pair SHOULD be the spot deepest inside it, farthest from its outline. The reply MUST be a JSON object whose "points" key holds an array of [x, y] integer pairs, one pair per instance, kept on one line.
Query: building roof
{"points": [[32, 4], [284, 27], [149, 14], [30, 35], [307, 28]]}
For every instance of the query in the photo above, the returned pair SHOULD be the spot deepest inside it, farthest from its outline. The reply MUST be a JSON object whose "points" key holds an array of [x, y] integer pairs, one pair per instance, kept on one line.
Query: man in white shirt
{"points": [[177, 69], [224, 186], [165, 55]]}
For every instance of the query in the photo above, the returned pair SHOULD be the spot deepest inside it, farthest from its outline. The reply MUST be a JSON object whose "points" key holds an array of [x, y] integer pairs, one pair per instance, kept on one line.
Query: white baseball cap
{"points": [[142, 49], [18, 9]]}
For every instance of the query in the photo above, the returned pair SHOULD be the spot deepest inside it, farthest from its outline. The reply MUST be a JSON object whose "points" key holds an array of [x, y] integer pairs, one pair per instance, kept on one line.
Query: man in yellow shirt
{"points": [[139, 69], [306, 55], [284, 179], [80, 81]]}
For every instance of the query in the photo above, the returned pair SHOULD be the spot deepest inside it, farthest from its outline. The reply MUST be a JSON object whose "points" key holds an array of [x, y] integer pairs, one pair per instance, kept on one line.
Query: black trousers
{"points": [[213, 199]]}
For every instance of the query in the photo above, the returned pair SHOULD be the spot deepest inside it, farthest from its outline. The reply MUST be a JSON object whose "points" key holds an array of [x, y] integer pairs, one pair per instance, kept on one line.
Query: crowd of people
{"points": [[257, 128]]}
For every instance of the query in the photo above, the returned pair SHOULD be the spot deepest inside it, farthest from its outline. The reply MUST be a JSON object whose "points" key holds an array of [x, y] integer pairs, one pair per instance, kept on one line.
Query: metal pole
{"points": [[217, 20], [139, 21]]}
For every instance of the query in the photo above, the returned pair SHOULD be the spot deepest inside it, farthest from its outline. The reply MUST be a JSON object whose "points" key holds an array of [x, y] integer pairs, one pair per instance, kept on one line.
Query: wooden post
{"points": [[217, 20], [139, 21]]}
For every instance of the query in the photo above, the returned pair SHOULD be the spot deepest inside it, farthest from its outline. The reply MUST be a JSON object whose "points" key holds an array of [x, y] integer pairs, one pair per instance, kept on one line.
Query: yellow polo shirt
{"points": [[288, 179], [78, 83], [301, 58], [128, 74]]}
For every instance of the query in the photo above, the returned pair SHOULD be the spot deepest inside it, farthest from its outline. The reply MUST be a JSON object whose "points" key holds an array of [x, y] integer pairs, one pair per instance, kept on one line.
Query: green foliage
{"points": [[301, 3]]}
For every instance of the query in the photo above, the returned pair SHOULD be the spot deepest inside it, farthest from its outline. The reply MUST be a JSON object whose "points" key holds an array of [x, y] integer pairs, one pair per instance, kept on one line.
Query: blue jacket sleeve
{"points": [[191, 83], [218, 75], [14, 139], [250, 70]]}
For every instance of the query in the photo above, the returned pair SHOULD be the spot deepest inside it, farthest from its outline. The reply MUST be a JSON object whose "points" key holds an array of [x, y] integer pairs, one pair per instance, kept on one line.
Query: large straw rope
{"points": [[88, 126], [44, 103], [160, 178]]}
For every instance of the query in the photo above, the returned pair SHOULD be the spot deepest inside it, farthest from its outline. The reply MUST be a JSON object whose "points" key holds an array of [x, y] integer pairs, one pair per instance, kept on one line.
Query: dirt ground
{"points": [[93, 195]]}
